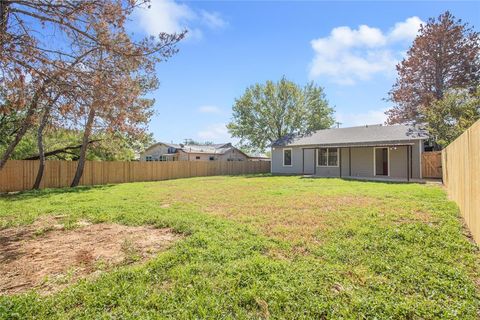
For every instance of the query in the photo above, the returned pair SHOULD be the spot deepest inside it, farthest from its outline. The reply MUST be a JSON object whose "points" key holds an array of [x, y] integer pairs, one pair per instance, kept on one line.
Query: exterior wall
{"points": [[328, 171], [362, 159], [398, 162], [277, 161], [232, 155], [309, 161], [417, 151], [362, 162], [184, 156], [155, 152]]}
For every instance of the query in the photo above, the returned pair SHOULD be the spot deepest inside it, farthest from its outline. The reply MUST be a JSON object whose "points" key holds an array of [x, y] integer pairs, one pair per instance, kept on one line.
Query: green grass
{"points": [[262, 246]]}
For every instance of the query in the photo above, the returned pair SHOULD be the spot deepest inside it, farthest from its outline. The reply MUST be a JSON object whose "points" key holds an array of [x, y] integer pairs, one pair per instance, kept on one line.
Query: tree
{"points": [[268, 112], [97, 72], [449, 117], [444, 56], [29, 64], [32, 67], [192, 142]]}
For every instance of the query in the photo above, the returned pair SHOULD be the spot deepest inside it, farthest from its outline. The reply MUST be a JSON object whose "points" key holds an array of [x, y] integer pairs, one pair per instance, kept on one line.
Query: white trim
{"points": [[375, 159], [328, 166], [291, 157], [420, 153], [271, 159]]}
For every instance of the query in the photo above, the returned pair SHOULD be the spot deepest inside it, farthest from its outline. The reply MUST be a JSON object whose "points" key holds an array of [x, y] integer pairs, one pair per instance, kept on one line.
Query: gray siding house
{"points": [[372, 151]]}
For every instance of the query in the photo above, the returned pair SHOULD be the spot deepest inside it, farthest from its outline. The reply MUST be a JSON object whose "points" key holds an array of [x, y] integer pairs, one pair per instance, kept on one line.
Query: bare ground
{"points": [[46, 257]]}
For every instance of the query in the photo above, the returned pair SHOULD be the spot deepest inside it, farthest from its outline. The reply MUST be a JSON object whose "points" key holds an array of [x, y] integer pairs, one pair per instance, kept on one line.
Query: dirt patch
{"points": [[46, 257]]}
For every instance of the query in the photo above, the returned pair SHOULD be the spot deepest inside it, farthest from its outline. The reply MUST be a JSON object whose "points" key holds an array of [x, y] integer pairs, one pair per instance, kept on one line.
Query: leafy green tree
{"points": [[449, 117], [119, 147], [268, 112], [192, 142], [65, 145]]}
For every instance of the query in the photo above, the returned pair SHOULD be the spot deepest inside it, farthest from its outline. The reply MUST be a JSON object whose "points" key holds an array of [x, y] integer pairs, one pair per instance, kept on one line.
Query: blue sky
{"points": [[349, 48]]}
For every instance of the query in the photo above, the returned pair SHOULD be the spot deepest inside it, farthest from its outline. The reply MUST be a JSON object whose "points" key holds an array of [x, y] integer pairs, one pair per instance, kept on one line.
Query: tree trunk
{"points": [[41, 151], [56, 152], [83, 149], [22, 130]]}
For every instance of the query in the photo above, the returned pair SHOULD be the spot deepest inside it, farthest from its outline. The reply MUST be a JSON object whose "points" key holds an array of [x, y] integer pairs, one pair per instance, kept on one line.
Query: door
{"points": [[381, 161], [432, 164], [308, 161]]}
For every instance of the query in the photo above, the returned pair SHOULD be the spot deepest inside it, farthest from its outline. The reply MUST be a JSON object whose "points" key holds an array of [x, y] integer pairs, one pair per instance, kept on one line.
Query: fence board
{"points": [[461, 176], [19, 175]]}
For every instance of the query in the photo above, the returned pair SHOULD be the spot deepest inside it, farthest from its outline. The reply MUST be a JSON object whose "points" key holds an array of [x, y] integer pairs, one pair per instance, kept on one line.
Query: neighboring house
{"points": [[160, 152], [366, 151], [221, 152], [173, 152]]}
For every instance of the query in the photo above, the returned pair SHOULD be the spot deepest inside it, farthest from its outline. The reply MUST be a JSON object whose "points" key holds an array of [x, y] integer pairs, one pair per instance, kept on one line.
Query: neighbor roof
{"points": [[220, 148], [176, 146], [367, 135]]}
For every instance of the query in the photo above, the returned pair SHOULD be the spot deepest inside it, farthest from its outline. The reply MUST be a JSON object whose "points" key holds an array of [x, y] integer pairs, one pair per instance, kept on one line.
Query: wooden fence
{"points": [[432, 164], [461, 176], [18, 175]]}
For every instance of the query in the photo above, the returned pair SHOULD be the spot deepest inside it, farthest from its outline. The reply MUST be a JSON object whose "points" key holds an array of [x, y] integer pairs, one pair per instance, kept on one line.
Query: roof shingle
{"points": [[370, 134]]}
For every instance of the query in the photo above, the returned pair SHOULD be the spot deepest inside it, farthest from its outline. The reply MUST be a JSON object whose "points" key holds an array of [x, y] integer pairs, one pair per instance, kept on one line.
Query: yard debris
{"points": [[47, 257]]}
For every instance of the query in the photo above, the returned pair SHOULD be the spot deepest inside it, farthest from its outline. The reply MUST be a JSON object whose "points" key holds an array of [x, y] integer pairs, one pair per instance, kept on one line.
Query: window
{"points": [[197, 158], [148, 158], [323, 157], [287, 157], [332, 157], [211, 158], [327, 157]]}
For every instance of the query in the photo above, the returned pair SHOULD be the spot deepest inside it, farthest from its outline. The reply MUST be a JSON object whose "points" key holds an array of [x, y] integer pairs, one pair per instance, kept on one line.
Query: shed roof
{"points": [[369, 134]]}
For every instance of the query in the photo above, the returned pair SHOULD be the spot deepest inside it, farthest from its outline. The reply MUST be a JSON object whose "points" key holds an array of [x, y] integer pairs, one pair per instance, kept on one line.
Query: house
{"points": [[221, 152], [160, 151], [172, 152], [371, 151]]}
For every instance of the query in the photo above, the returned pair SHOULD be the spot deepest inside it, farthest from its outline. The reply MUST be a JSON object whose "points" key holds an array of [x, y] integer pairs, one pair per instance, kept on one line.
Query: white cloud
{"points": [[406, 30], [212, 19], [170, 16], [209, 109], [376, 116], [348, 55], [215, 132], [165, 16]]}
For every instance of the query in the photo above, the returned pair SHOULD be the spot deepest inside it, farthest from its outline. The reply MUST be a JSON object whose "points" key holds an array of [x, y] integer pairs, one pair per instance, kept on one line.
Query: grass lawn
{"points": [[262, 246]]}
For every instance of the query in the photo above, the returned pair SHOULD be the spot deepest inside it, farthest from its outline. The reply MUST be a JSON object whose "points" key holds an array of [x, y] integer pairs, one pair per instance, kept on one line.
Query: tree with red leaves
{"points": [[444, 56], [73, 64]]}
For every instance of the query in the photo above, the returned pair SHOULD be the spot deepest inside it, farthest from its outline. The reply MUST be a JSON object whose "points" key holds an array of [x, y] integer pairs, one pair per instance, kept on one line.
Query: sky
{"points": [[348, 48]]}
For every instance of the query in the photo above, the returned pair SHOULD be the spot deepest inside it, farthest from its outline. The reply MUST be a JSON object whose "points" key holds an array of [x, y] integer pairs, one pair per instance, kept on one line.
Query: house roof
{"points": [[219, 148], [176, 146], [362, 135], [214, 149]]}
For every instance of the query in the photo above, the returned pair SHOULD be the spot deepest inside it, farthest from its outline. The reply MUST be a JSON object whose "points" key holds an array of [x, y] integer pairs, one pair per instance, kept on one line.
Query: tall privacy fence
{"points": [[461, 176], [18, 175]]}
